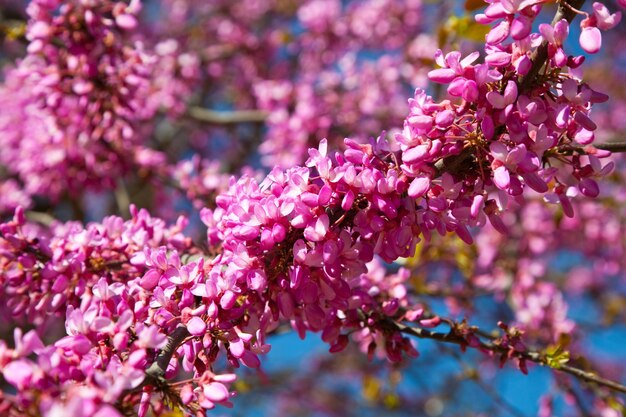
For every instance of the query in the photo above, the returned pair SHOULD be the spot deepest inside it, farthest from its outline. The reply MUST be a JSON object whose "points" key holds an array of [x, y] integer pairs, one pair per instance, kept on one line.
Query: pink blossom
{"points": [[590, 39]]}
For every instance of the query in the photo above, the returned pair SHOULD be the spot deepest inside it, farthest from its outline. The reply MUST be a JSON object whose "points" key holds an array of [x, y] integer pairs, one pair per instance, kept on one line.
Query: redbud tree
{"points": [[181, 180]]}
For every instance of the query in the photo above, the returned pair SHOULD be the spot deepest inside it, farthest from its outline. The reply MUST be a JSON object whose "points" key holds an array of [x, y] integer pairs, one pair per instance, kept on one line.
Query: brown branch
{"points": [[158, 368], [540, 55], [226, 117], [39, 217], [614, 147], [536, 357], [588, 376], [122, 198]]}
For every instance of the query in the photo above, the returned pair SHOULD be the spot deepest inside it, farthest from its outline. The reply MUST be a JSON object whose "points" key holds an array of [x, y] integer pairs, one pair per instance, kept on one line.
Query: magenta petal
{"points": [[590, 40], [415, 154], [561, 31], [315, 316], [216, 392], [126, 21], [498, 33], [256, 280], [584, 137], [510, 92], [498, 224], [419, 187], [442, 75], [589, 187], [18, 373], [520, 27], [228, 378], [584, 120], [150, 279], [279, 232], [496, 100], [422, 122], [562, 116], [250, 359], [285, 304], [495, 10], [470, 91], [324, 195], [498, 59], [547, 31], [477, 205], [501, 177], [137, 359], [523, 65], [444, 118], [488, 128], [535, 182], [237, 348], [347, 201], [196, 326], [78, 344], [246, 232], [456, 87]]}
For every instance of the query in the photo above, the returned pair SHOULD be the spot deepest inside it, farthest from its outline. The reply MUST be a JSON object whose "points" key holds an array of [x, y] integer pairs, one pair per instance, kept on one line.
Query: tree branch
{"points": [[40, 217], [122, 198], [540, 55], [226, 117], [536, 357], [159, 367], [614, 147]]}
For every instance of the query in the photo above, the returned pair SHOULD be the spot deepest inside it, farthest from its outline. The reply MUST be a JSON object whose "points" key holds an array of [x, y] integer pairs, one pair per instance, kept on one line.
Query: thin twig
{"points": [[226, 117], [40, 217], [528, 355], [614, 147], [122, 198]]}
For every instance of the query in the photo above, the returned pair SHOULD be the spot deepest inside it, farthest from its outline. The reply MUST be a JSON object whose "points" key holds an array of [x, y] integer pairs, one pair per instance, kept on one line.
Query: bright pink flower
{"points": [[590, 40]]}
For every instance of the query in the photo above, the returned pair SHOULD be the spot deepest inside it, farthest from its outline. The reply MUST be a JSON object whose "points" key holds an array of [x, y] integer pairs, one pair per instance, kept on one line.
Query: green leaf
{"points": [[556, 356], [467, 28]]}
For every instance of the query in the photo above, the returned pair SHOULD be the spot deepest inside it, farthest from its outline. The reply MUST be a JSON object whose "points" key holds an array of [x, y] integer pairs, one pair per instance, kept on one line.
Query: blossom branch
{"points": [[455, 338]]}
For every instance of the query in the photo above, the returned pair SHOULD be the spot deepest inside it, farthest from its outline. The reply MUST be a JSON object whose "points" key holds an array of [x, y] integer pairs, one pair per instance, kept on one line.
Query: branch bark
{"points": [[159, 367], [226, 117], [615, 147], [40, 217]]}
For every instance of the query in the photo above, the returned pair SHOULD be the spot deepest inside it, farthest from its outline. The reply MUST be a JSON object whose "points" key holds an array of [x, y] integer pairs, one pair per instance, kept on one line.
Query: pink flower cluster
{"points": [[77, 105], [115, 293], [47, 270], [515, 120], [74, 99]]}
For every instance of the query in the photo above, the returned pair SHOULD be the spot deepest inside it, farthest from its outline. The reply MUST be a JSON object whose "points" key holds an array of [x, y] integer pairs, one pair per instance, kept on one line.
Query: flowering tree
{"points": [[116, 116]]}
